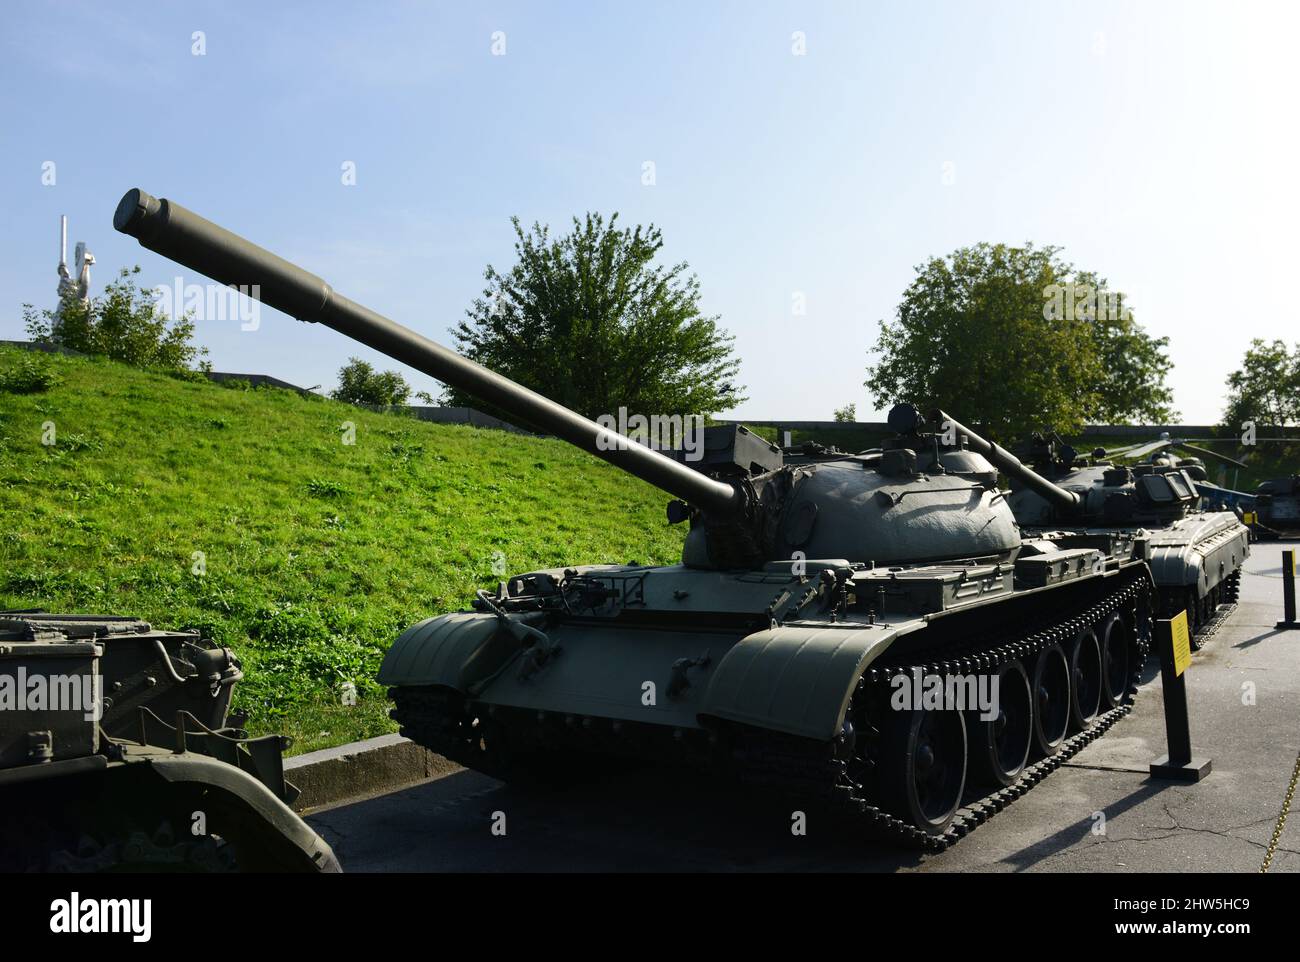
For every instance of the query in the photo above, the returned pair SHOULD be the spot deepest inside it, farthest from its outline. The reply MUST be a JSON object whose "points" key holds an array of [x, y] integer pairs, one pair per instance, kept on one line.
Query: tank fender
{"points": [[281, 832], [1178, 565], [1203, 565], [438, 650], [793, 678]]}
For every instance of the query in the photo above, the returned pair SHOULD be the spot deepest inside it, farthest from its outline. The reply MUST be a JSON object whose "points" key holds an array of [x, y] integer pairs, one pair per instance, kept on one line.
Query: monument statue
{"points": [[73, 290]]}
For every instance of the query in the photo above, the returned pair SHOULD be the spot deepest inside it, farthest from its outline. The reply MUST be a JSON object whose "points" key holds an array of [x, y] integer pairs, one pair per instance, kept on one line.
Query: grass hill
{"points": [[315, 553]]}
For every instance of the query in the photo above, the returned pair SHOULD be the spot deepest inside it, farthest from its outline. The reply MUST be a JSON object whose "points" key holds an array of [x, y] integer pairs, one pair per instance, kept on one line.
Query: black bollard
{"points": [[1288, 592], [1174, 643]]}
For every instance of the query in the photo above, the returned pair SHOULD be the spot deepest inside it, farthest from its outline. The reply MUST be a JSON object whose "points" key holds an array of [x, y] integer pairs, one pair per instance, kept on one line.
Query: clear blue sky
{"points": [[1155, 142]]}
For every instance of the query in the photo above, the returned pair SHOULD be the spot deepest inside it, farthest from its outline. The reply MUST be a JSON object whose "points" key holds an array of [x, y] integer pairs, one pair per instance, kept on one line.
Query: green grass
{"points": [[315, 554]]}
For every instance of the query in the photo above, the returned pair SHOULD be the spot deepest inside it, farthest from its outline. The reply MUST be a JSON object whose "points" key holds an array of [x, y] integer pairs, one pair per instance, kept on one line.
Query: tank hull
{"points": [[1195, 563], [726, 672]]}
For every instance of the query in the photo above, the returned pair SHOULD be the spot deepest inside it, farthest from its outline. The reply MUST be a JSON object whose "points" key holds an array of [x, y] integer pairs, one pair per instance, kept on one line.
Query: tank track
{"points": [[1205, 622], [768, 765], [809, 770]]}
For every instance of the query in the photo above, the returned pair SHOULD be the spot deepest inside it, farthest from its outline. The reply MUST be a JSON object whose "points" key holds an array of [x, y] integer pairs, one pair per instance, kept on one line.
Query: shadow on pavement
{"points": [[1059, 841]]}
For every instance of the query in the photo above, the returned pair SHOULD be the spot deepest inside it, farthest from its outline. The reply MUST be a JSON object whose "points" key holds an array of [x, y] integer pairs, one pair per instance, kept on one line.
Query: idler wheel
{"points": [[923, 766], [1000, 746], [1115, 674], [1085, 679], [1051, 687]]}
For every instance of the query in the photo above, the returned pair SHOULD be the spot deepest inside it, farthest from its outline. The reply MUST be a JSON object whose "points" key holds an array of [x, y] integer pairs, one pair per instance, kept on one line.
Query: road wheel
{"points": [[1114, 636], [1085, 679], [999, 747], [1051, 687], [923, 766]]}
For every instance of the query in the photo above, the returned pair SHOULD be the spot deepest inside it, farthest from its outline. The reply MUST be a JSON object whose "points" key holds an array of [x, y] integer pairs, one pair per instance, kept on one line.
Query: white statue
{"points": [[69, 290]]}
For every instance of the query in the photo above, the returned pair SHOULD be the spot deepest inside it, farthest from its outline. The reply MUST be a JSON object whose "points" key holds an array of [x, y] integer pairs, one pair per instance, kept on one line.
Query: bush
{"points": [[360, 383], [27, 374], [124, 323]]}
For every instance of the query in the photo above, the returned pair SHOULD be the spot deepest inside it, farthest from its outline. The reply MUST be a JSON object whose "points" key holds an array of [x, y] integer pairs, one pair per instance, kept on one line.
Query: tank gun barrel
{"points": [[169, 229], [1007, 462]]}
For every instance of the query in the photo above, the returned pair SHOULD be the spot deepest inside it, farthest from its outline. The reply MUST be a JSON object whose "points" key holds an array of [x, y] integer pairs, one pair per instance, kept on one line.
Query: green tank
{"points": [[118, 752], [831, 633], [1277, 507], [1195, 555]]}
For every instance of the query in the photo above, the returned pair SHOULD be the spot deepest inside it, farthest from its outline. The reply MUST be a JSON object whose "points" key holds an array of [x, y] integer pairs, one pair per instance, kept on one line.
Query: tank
{"points": [[118, 752], [1277, 507], [1195, 555], [871, 635]]}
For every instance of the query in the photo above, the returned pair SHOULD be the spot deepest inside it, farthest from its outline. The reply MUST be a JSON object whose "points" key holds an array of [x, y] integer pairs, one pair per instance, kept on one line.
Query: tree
{"points": [[1266, 388], [360, 383], [589, 320], [1014, 339], [124, 323], [847, 413]]}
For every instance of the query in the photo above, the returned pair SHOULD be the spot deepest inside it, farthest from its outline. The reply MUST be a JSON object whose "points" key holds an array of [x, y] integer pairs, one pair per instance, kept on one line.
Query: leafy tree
{"points": [[1014, 339], [124, 323], [1266, 388], [360, 383], [847, 413], [589, 320]]}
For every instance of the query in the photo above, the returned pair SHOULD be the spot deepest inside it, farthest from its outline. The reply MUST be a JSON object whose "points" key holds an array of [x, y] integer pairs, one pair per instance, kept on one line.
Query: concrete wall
{"points": [[256, 380], [449, 415], [42, 346], [1122, 430]]}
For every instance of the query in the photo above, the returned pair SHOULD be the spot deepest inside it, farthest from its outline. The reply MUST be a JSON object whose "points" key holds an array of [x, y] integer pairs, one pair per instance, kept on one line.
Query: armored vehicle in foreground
{"points": [[828, 632], [117, 753], [1195, 556]]}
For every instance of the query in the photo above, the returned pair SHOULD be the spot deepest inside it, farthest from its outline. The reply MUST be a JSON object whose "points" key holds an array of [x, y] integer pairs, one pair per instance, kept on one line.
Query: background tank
{"points": [[113, 735], [1195, 555], [815, 606], [1277, 507]]}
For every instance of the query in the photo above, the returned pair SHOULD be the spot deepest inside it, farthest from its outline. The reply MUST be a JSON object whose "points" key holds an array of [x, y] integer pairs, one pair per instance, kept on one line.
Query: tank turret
{"points": [[1061, 499]]}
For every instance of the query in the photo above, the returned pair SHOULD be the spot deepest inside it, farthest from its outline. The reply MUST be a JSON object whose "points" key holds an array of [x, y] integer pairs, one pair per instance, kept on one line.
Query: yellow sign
{"points": [[1248, 517], [1182, 642]]}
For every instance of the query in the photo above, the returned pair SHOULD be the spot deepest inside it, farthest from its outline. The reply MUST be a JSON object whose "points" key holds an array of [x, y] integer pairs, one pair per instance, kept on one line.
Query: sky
{"points": [[806, 154]]}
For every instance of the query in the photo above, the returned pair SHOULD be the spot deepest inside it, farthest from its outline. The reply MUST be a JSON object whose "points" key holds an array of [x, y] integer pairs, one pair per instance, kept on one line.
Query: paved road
{"points": [[1244, 689], [1263, 580]]}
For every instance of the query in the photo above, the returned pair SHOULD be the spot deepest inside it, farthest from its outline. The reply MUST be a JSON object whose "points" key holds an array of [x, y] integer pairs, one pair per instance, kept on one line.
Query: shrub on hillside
{"points": [[23, 373], [124, 323], [360, 383]]}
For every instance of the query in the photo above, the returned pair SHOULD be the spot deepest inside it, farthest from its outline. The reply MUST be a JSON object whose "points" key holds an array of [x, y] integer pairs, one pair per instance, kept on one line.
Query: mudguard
{"points": [[434, 651], [794, 678], [280, 832]]}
